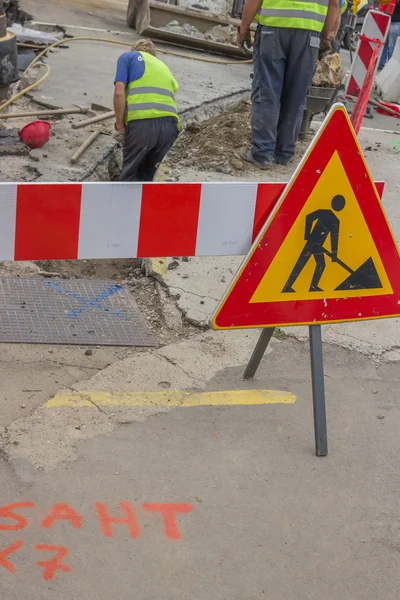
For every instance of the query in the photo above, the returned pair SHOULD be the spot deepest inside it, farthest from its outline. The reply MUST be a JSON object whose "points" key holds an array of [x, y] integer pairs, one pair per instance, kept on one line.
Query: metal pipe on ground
{"points": [[85, 145], [108, 115], [46, 113]]}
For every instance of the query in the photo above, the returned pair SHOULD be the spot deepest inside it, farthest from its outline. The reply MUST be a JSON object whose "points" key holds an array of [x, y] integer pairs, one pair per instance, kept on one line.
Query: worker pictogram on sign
{"points": [[320, 225], [326, 254]]}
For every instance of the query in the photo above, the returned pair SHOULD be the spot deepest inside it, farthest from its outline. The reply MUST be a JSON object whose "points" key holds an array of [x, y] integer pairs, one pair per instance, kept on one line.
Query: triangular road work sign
{"points": [[326, 254]]}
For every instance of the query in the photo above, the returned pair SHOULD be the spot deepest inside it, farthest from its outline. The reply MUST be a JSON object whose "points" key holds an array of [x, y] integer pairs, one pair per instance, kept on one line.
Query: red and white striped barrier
{"points": [[46, 221], [375, 27]]}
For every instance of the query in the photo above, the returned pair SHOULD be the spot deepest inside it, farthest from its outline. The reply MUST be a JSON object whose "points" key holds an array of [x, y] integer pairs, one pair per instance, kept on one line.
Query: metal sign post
{"points": [[259, 352], [318, 387], [317, 377], [324, 255]]}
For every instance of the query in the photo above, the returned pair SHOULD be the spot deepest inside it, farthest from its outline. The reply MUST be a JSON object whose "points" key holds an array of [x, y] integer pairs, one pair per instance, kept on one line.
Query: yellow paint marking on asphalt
{"points": [[170, 398], [159, 267]]}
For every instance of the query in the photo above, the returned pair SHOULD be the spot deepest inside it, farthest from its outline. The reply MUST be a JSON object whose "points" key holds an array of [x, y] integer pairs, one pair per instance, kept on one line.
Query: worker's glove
{"points": [[119, 135], [244, 41], [325, 48]]}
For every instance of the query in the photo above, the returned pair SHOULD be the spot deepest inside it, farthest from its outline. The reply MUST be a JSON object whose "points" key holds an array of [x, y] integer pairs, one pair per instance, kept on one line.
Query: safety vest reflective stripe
{"points": [[153, 106], [150, 90], [298, 14]]}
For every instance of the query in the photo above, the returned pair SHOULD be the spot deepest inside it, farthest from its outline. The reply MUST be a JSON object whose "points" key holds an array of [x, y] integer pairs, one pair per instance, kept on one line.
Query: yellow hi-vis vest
{"points": [[152, 96], [299, 14], [343, 9]]}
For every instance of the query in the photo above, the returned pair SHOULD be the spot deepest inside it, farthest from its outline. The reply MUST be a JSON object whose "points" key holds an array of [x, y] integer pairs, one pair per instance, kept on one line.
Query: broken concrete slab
{"points": [[52, 162], [200, 82], [10, 143], [25, 34]]}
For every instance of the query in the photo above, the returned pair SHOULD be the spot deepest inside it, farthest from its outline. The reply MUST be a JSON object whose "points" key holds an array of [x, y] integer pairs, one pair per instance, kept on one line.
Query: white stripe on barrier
{"points": [[226, 219], [8, 209], [374, 32], [359, 71], [110, 217]]}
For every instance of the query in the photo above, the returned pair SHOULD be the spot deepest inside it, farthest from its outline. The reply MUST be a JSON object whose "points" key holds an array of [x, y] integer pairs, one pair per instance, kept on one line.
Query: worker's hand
{"points": [[244, 41], [119, 135], [325, 48]]}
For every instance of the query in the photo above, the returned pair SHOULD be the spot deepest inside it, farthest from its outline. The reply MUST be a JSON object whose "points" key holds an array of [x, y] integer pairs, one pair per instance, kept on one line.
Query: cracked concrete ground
{"points": [[47, 438], [267, 518], [263, 515]]}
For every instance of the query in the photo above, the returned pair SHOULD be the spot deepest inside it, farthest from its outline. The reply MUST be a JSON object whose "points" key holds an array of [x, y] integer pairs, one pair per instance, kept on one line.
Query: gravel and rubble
{"points": [[215, 144], [223, 34]]}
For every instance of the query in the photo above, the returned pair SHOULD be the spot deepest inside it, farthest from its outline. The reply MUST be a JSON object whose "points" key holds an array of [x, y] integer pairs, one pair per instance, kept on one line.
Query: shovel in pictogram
{"points": [[364, 278]]}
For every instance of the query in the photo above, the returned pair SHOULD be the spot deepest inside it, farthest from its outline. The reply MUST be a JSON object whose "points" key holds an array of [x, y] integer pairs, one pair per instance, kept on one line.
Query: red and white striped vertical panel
{"points": [[376, 26], [127, 220]]}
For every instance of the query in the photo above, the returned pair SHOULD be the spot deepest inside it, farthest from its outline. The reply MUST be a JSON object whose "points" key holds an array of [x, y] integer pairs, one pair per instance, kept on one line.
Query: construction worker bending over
{"points": [[286, 49], [147, 121]]}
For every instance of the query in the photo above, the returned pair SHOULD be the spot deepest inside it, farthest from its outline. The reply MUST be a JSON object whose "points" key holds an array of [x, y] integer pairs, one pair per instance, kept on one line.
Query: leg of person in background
{"points": [[269, 71], [384, 56], [394, 33], [164, 132], [301, 58]]}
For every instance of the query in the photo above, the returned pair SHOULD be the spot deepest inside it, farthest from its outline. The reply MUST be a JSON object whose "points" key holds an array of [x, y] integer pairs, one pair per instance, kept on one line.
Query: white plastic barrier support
{"points": [[388, 80]]}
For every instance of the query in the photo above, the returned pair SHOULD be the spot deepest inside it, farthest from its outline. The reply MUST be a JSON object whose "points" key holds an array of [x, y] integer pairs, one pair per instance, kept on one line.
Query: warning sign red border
{"points": [[235, 310]]}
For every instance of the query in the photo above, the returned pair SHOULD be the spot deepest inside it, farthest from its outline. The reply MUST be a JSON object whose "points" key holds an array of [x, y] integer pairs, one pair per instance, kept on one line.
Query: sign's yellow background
{"points": [[355, 247]]}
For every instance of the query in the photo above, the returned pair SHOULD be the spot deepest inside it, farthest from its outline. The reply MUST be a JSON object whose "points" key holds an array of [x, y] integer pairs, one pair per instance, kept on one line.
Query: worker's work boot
{"points": [[284, 161], [248, 157]]}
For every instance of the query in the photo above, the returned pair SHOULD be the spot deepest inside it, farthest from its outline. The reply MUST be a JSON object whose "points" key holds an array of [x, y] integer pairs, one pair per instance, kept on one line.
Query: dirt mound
{"points": [[215, 145], [328, 72]]}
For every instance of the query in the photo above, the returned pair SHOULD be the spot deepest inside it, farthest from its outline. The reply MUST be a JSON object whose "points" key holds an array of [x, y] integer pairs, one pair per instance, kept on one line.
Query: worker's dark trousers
{"points": [[284, 65], [147, 141]]}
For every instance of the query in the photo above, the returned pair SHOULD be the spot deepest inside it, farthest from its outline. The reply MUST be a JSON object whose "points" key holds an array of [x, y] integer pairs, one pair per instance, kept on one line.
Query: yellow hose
{"points": [[29, 88], [91, 39]]}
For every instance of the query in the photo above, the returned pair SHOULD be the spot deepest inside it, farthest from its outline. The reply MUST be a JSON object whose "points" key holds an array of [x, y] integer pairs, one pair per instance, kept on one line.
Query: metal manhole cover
{"points": [[78, 311]]}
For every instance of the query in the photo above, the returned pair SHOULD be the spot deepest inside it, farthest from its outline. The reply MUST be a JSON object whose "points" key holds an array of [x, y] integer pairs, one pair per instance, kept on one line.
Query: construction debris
{"points": [[34, 36], [214, 146], [14, 13], [223, 34], [221, 7], [10, 143], [329, 72]]}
